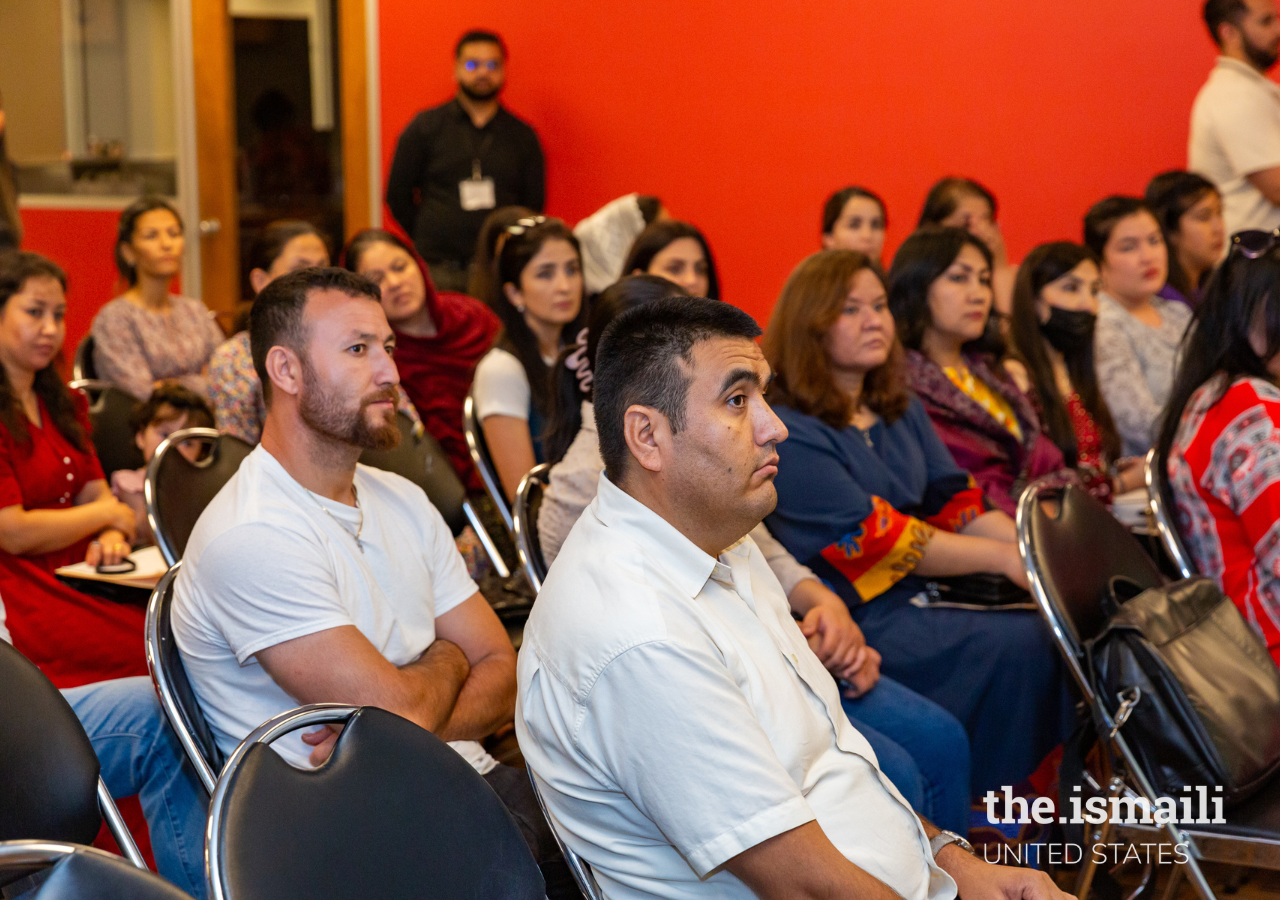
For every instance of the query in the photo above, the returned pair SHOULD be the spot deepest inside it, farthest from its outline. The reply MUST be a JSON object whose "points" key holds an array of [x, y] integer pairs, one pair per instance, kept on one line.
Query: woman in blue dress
{"points": [[870, 499]]}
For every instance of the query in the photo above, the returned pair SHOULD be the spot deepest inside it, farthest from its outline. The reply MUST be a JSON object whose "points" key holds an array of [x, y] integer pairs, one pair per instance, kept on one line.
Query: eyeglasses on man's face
{"points": [[488, 65]]}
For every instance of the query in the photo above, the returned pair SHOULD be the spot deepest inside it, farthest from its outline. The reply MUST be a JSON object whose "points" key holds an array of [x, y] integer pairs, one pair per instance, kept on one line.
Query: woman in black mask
{"points": [[1055, 306]]}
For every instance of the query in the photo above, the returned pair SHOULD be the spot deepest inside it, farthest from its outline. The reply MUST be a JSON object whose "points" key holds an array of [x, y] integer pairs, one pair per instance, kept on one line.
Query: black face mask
{"points": [[1068, 330]]}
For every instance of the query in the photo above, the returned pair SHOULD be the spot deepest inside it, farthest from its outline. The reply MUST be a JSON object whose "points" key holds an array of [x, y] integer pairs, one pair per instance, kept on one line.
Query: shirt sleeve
{"points": [[501, 387], [407, 164], [570, 489], [117, 355], [534, 188], [450, 583], [10, 489], [254, 613], [1245, 475], [710, 805], [784, 566], [1248, 128], [234, 390], [1123, 385]]}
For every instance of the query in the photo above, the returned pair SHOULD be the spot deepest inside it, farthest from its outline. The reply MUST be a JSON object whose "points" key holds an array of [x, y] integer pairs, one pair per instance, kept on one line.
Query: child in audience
{"points": [[55, 506], [170, 408], [147, 334], [678, 252], [940, 295], [1189, 209], [1221, 434], [492, 233], [920, 746], [607, 234], [870, 499], [537, 293], [964, 203], [855, 219], [1138, 332], [1055, 308], [440, 336]]}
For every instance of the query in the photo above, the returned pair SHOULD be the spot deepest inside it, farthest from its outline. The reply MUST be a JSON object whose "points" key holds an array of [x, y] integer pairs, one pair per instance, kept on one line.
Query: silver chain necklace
{"points": [[356, 497]]}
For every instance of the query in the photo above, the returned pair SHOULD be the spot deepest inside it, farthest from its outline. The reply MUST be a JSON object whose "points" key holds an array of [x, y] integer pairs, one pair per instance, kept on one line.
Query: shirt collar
{"points": [[677, 556], [1236, 65]]}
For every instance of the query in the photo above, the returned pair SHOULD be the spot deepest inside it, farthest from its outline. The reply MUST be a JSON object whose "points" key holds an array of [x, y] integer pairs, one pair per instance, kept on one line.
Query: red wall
{"points": [[744, 115]]}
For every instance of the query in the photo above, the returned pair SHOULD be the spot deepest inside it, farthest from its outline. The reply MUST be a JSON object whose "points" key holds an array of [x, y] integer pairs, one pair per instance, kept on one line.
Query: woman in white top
{"points": [[537, 293], [1137, 335]]}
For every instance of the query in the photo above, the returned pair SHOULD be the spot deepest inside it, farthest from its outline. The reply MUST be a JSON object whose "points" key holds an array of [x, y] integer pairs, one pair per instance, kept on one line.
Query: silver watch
{"points": [[949, 837]]}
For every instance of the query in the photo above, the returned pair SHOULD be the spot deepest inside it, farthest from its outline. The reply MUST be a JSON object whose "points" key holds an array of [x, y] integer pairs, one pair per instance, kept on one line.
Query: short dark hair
{"points": [[276, 318], [1218, 11], [179, 399], [836, 202], [656, 237], [479, 36], [128, 223], [1103, 216], [922, 259], [639, 363], [271, 241], [944, 197]]}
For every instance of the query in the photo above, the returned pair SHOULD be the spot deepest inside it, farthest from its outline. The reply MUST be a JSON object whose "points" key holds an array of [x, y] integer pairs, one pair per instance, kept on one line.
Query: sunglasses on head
{"points": [[523, 225], [1255, 242]]}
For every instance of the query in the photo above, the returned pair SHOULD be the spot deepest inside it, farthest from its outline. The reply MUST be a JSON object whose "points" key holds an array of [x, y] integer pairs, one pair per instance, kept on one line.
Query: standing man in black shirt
{"points": [[456, 162]]}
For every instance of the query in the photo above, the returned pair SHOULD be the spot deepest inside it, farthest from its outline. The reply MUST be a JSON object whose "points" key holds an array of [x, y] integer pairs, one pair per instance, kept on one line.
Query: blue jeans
{"points": [[922, 749], [140, 754]]}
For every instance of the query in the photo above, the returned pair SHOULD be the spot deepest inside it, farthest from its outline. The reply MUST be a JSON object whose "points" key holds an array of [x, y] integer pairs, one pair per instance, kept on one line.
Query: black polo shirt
{"points": [[436, 152]]}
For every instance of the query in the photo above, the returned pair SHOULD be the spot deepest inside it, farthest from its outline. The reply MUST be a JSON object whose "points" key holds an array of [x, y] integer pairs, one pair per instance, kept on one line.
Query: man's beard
{"points": [[480, 96], [1262, 57], [327, 416]]}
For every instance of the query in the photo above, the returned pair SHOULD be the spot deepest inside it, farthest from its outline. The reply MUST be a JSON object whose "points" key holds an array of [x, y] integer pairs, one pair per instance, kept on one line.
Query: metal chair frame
{"points": [[179, 717], [484, 465], [1204, 843], [37, 856], [582, 873], [82, 367], [1157, 479], [171, 443], [526, 527]]}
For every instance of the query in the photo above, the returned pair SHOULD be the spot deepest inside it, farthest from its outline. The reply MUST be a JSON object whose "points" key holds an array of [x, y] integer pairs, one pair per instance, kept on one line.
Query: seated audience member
{"points": [[870, 499], [170, 408], [440, 336], [678, 252], [940, 295], [55, 506], [921, 748], [1221, 434], [1055, 308], [310, 578], [492, 233], [537, 293], [1138, 332], [283, 246], [660, 610], [148, 335], [855, 219], [964, 203], [1189, 209], [607, 234]]}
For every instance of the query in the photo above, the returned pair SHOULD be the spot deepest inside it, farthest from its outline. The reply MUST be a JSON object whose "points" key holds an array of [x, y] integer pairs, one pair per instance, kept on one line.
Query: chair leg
{"points": [[119, 831], [1175, 881]]}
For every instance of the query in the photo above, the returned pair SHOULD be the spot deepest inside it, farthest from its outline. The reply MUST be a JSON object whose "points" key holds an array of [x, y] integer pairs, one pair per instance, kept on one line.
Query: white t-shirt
{"points": [[266, 564], [501, 386], [1235, 132], [674, 716]]}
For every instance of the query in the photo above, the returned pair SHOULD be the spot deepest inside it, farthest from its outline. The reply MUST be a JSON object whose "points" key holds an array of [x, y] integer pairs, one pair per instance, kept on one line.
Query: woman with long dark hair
{"points": [[1220, 433], [537, 293], [678, 252], [1189, 209], [968, 204], [1055, 308]]}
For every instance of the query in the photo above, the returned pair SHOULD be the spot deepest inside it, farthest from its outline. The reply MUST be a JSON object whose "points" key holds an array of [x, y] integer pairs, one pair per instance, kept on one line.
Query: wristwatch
{"points": [[949, 837]]}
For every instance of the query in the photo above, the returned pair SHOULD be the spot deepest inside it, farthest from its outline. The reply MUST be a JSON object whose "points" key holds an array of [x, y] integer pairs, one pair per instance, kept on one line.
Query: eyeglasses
{"points": [[491, 65], [1255, 243], [523, 225]]}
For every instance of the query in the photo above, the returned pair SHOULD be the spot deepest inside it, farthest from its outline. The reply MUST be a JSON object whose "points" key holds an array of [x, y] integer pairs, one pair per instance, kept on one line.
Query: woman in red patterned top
{"points": [[55, 506], [1221, 434], [1055, 306]]}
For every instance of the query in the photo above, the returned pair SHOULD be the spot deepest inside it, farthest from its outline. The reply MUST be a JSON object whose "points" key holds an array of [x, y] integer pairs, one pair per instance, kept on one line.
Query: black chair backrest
{"points": [[394, 813], [109, 411], [178, 490], [48, 770], [420, 458], [484, 462], [65, 872], [82, 366]]}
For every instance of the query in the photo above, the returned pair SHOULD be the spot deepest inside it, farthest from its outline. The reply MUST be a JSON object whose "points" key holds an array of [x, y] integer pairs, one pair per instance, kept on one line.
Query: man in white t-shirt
{"points": [[310, 578], [687, 741], [1235, 122]]}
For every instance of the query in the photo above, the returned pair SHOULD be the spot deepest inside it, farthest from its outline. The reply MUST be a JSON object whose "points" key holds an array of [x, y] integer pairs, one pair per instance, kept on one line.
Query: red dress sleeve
{"points": [[881, 551]]}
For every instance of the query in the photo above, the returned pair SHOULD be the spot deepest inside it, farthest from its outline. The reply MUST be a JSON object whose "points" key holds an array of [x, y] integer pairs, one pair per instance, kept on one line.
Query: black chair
{"points": [[394, 812], [109, 411], [1162, 507], [528, 502], [52, 870], [420, 458], [82, 367], [50, 787], [1071, 547], [177, 490], [484, 463], [582, 873], [177, 698]]}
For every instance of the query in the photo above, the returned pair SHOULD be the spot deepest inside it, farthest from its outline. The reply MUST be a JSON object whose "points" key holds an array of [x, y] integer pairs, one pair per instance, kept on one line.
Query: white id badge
{"points": [[477, 193]]}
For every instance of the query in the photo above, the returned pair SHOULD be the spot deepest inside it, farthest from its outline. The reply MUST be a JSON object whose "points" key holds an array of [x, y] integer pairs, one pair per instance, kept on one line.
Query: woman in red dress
{"points": [[55, 505]]}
